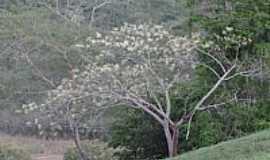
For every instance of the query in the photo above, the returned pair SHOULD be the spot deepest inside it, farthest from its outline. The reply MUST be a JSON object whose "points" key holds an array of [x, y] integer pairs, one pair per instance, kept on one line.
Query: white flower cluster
{"points": [[145, 39], [134, 60], [28, 108], [229, 38], [135, 55]]}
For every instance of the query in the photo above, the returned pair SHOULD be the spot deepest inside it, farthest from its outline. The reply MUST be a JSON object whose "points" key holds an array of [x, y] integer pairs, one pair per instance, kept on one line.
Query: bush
{"points": [[95, 150], [139, 134], [10, 153]]}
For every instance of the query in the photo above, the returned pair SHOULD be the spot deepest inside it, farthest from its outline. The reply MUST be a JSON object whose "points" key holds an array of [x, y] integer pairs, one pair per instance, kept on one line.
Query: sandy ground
{"points": [[37, 146], [47, 157]]}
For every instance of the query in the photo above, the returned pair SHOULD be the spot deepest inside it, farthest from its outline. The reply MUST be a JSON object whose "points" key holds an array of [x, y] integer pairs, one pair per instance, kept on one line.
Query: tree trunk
{"points": [[78, 145], [76, 138], [172, 138], [175, 141]]}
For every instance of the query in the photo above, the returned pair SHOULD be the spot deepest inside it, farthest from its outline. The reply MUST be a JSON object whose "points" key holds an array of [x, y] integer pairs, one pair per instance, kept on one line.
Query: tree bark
{"points": [[172, 139], [78, 145], [175, 131], [76, 138]]}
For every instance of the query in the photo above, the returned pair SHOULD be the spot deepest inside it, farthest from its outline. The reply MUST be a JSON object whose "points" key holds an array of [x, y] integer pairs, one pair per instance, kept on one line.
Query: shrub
{"points": [[95, 150], [139, 134], [10, 153]]}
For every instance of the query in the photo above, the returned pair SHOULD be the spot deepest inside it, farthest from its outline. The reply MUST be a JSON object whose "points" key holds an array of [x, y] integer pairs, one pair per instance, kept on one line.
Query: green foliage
{"points": [[245, 21], [141, 136], [247, 18], [228, 123], [96, 150], [11, 153]]}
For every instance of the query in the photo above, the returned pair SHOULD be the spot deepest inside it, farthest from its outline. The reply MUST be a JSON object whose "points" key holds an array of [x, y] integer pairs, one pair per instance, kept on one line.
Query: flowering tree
{"points": [[141, 67], [65, 110]]}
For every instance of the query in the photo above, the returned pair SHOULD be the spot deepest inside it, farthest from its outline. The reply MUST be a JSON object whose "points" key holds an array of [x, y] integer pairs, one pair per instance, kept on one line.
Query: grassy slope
{"points": [[253, 147]]}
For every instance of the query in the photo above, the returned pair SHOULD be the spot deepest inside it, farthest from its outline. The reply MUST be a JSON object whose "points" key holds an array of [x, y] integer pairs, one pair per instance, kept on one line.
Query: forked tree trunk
{"points": [[172, 138]]}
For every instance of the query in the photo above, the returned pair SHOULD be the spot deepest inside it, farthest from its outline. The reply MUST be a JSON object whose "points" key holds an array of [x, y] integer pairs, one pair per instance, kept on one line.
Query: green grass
{"points": [[253, 147]]}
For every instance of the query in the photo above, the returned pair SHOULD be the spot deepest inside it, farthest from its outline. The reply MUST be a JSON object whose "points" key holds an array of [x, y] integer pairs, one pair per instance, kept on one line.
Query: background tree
{"points": [[33, 60]]}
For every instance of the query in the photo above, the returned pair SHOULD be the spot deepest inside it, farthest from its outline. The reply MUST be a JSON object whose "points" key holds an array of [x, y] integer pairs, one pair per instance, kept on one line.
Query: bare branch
{"points": [[38, 71], [244, 73], [214, 58], [152, 94], [92, 16], [59, 14], [211, 69], [168, 103], [209, 93], [215, 106], [146, 109]]}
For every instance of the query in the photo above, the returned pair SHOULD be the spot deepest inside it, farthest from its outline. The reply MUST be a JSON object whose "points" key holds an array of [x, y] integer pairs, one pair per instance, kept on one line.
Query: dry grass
{"points": [[37, 146], [47, 157]]}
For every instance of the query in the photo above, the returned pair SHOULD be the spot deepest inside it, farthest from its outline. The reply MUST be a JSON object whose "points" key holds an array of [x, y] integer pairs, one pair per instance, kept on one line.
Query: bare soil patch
{"points": [[40, 149], [47, 157]]}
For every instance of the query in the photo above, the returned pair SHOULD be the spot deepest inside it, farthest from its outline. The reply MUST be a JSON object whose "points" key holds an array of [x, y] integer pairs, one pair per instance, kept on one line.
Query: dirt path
{"points": [[47, 157]]}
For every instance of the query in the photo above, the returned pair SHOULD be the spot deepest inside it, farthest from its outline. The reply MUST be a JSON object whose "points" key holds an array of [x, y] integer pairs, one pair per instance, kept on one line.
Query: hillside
{"points": [[253, 147]]}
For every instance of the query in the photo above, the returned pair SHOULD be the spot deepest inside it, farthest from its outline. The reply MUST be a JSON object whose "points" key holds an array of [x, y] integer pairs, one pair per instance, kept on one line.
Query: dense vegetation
{"points": [[61, 61]]}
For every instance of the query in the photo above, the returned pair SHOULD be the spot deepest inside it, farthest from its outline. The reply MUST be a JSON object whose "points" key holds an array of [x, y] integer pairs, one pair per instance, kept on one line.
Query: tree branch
{"points": [[92, 16], [209, 93], [214, 58], [211, 69], [168, 103]]}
